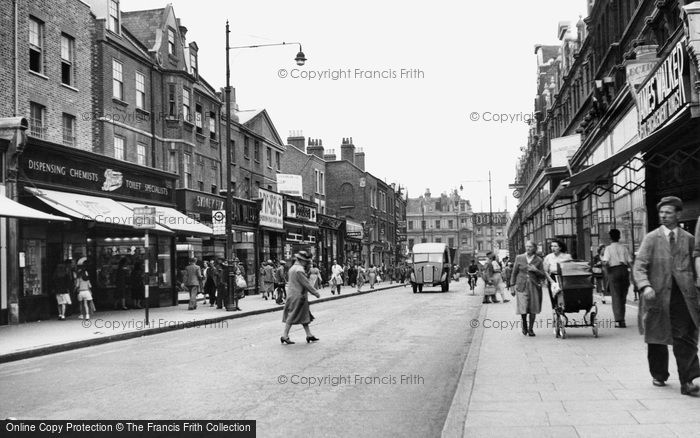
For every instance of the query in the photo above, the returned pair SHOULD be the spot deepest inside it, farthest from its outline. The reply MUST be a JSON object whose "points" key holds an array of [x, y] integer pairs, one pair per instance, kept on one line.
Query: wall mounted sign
{"points": [[665, 92], [71, 168], [271, 213]]}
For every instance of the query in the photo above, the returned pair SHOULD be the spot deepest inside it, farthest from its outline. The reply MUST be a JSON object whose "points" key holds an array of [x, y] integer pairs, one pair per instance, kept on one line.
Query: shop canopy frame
{"points": [[13, 209], [174, 220], [598, 179], [90, 208]]}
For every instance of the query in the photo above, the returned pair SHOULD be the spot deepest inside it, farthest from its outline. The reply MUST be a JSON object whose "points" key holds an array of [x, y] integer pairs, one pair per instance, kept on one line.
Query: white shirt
{"points": [[667, 232], [617, 254], [337, 271]]}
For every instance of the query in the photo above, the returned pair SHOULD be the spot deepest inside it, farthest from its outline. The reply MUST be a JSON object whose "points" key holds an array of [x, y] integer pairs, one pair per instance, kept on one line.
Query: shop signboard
{"points": [[271, 213], [144, 217], [328, 221], [102, 176], [499, 219], [354, 230], [289, 184], [665, 92], [300, 211]]}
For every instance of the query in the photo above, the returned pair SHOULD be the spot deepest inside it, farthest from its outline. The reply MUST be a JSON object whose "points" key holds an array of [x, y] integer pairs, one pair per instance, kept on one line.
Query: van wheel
{"points": [[445, 286]]}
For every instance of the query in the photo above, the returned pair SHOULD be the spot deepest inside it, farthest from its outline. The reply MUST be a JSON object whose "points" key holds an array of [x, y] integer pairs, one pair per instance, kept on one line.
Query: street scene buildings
{"points": [[160, 226]]}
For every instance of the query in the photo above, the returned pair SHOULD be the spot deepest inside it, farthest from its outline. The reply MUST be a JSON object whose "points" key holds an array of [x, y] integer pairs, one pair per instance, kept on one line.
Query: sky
{"points": [[418, 85]]}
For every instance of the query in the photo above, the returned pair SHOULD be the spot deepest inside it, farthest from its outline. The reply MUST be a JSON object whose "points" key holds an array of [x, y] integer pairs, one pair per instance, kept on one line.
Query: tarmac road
{"points": [[387, 364]]}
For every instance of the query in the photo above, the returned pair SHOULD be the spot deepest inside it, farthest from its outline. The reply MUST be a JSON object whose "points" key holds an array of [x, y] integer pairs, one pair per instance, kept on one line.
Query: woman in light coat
{"points": [[528, 273]]}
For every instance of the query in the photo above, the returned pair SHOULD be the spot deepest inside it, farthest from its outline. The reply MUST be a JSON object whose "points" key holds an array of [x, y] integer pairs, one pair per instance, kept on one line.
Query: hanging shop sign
{"points": [[271, 213], [665, 92], [328, 221], [198, 205], [354, 230], [103, 176]]}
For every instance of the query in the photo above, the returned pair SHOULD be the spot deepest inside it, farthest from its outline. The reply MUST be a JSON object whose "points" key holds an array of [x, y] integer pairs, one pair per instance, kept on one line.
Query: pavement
{"points": [[515, 386], [39, 338]]}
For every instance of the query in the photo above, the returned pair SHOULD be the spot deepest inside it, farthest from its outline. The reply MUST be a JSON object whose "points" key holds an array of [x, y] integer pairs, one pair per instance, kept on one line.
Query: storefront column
{"points": [[12, 130]]}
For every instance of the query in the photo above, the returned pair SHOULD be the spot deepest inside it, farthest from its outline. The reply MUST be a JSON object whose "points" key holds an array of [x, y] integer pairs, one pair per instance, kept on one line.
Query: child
{"points": [[82, 283]]}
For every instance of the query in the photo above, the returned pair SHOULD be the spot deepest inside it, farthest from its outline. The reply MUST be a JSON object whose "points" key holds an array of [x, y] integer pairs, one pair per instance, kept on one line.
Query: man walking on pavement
{"points": [[268, 278], [280, 280], [618, 261], [669, 312], [193, 282]]}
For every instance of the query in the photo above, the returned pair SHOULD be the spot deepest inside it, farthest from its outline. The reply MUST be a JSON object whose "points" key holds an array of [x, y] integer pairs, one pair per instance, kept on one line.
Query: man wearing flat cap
{"points": [[669, 312]]}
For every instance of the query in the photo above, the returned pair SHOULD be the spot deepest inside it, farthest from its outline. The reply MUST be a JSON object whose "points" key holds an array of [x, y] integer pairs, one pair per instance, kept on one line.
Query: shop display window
{"points": [[33, 261]]}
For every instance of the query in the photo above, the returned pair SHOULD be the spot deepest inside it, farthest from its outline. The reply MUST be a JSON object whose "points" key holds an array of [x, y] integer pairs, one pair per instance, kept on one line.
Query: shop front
{"points": [[271, 226], [94, 192], [330, 240], [199, 206], [301, 231], [245, 216], [354, 233]]}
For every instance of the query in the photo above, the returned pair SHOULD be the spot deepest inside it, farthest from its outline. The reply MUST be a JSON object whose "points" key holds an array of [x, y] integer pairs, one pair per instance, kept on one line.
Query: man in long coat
{"points": [[669, 312]]}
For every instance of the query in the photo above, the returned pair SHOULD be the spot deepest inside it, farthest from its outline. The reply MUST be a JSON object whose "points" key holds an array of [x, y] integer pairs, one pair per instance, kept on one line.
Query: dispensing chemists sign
{"points": [[271, 212], [665, 92]]}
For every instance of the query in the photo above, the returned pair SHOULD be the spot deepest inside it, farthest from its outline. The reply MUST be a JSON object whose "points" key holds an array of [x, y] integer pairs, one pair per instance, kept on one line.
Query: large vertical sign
{"points": [[665, 92], [271, 211]]}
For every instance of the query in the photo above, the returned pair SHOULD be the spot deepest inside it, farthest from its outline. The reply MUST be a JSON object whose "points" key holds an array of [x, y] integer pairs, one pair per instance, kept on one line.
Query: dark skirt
{"points": [[296, 310]]}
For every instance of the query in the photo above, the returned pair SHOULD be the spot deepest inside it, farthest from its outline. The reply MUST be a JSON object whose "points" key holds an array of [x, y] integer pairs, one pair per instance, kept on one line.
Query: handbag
{"points": [[240, 282]]}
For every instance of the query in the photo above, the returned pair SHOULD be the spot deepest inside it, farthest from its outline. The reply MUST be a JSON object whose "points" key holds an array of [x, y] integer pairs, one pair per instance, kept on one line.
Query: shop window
{"points": [[33, 272]]}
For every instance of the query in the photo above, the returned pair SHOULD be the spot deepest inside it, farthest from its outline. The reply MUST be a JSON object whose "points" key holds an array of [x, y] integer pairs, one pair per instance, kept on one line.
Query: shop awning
{"points": [[90, 208], [603, 171], [175, 220], [10, 208]]}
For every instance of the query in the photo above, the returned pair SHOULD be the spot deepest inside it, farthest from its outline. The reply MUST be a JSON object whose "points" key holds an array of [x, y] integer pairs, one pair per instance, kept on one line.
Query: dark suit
{"points": [[672, 317]]}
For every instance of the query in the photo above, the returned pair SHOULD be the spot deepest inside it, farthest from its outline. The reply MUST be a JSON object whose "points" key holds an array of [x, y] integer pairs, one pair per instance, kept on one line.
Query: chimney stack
{"points": [[330, 155], [296, 139], [347, 150], [315, 147], [360, 158]]}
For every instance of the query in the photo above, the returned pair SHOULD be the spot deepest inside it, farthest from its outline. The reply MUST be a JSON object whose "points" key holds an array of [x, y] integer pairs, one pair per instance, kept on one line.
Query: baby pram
{"points": [[575, 281]]}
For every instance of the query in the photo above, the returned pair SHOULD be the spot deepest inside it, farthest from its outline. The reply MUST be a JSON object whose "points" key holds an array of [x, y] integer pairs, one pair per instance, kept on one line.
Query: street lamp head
{"points": [[461, 187], [300, 59]]}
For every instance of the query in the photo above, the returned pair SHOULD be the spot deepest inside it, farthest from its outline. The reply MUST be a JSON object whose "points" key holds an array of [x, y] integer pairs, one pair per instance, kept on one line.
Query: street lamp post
{"points": [[300, 60]]}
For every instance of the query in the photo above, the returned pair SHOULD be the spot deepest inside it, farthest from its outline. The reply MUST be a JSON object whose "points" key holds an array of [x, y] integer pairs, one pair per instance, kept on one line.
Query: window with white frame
{"points": [[67, 59], [198, 118], [68, 129], [119, 149], [212, 125], [117, 81], [172, 162], [113, 21], [36, 45], [186, 104], [187, 170], [141, 154], [37, 120], [171, 41], [140, 90], [193, 62]]}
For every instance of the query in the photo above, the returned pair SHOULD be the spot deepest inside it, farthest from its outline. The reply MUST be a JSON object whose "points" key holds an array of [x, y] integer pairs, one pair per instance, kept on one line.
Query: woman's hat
{"points": [[303, 256], [81, 261]]}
